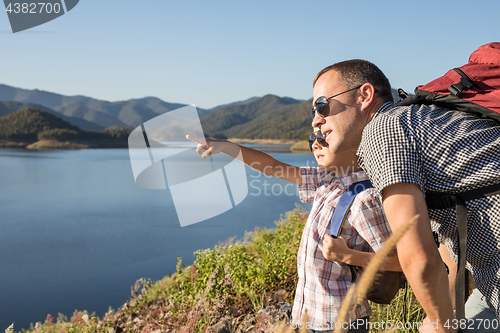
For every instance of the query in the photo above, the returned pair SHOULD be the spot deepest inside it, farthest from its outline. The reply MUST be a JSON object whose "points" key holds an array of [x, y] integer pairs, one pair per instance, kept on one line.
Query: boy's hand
{"points": [[335, 249], [206, 147]]}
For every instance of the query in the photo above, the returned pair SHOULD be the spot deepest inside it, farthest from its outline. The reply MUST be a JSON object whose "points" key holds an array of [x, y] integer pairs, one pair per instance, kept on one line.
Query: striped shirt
{"points": [[323, 284], [443, 151]]}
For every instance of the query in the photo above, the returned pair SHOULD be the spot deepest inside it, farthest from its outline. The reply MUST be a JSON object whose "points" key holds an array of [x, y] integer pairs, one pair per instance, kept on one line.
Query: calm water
{"points": [[77, 232]]}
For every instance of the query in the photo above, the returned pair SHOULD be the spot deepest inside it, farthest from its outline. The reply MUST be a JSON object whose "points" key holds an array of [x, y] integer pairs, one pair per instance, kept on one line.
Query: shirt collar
{"points": [[351, 178], [386, 106]]}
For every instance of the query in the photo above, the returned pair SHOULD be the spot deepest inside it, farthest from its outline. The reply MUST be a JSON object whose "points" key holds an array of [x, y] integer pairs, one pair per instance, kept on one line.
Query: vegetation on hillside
{"points": [[223, 289], [86, 124], [63, 134], [300, 147], [260, 119], [30, 125], [286, 122], [27, 123]]}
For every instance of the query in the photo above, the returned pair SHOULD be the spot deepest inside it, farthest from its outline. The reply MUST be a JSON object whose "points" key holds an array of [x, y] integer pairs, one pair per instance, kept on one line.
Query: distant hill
{"points": [[229, 120], [92, 116], [35, 128], [157, 105], [27, 123], [7, 107], [246, 101], [286, 122]]}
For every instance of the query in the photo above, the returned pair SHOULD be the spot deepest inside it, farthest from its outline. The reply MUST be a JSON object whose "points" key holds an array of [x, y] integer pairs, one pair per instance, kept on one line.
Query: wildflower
{"points": [[194, 275], [211, 278], [77, 317], [50, 320]]}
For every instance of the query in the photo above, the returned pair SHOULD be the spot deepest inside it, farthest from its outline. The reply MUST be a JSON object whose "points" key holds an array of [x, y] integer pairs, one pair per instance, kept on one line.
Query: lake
{"points": [[77, 232]]}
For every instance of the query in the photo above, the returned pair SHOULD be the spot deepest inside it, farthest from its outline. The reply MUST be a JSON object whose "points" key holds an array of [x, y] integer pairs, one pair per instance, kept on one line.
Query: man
{"points": [[406, 152]]}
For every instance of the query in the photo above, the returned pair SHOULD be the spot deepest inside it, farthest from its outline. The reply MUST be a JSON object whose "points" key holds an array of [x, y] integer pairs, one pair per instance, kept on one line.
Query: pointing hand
{"points": [[206, 147]]}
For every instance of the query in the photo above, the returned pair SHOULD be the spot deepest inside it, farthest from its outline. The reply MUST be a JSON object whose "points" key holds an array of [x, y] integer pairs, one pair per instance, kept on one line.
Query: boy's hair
{"points": [[357, 72]]}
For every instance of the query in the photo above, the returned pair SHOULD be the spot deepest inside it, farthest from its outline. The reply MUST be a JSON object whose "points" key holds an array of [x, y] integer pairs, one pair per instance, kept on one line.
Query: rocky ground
{"points": [[268, 319]]}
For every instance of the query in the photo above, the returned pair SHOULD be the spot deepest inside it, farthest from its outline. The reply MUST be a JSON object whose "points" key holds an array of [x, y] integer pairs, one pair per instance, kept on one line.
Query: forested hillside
{"points": [[30, 126]]}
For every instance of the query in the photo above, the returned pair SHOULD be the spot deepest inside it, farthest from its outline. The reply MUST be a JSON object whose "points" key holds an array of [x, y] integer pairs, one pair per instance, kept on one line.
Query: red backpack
{"points": [[473, 88]]}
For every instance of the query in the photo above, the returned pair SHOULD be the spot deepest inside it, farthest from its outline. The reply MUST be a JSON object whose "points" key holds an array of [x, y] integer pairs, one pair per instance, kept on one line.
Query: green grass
{"points": [[230, 283], [300, 146]]}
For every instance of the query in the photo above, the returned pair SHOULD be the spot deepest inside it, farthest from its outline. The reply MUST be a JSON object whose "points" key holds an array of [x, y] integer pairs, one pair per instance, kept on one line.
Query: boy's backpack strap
{"points": [[457, 201], [388, 283], [344, 204], [342, 209]]}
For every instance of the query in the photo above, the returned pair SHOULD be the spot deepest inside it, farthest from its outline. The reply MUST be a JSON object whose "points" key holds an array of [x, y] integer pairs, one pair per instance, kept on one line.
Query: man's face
{"points": [[344, 125]]}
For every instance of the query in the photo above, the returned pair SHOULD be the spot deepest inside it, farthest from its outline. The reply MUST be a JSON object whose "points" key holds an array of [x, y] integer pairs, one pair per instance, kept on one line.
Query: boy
{"points": [[323, 283]]}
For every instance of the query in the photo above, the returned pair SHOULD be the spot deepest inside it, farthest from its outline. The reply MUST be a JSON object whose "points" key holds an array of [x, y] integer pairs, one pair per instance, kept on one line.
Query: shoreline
{"points": [[44, 144], [284, 142], [295, 146]]}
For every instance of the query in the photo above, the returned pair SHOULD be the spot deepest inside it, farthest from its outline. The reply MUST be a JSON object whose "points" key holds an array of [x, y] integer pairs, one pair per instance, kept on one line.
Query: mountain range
{"points": [[267, 117]]}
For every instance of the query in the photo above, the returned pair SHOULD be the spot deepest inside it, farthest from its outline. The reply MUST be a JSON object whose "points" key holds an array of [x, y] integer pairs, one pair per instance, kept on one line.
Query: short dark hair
{"points": [[357, 72]]}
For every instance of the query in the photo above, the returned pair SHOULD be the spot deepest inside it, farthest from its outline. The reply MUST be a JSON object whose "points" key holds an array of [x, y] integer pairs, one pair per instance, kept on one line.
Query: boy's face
{"points": [[338, 163], [322, 155]]}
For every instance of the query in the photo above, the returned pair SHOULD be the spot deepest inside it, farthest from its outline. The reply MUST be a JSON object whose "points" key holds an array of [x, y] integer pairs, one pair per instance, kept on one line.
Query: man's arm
{"points": [[253, 158], [418, 254], [337, 250]]}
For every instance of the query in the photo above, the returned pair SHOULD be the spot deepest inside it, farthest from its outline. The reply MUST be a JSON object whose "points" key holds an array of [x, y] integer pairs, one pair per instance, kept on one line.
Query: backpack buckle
{"points": [[465, 83], [449, 201]]}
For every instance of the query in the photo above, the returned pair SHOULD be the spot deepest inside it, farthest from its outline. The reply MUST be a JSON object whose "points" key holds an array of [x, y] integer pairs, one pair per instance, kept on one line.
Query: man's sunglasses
{"points": [[318, 136], [321, 105]]}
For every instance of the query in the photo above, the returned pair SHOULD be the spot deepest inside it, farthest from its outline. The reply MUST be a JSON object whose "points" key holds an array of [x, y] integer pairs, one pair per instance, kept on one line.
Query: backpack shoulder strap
{"points": [[457, 201], [344, 204]]}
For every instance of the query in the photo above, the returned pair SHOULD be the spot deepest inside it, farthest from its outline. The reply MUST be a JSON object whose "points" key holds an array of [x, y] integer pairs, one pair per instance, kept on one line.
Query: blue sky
{"points": [[209, 53]]}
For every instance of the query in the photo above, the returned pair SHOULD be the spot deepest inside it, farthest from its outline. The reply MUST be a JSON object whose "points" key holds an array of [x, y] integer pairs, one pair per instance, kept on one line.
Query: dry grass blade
{"points": [[281, 328], [305, 319], [371, 270], [303, 327]]}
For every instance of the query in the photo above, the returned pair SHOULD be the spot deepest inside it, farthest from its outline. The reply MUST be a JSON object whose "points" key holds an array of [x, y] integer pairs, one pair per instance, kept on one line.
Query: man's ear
{"points": [[366, 95]]}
